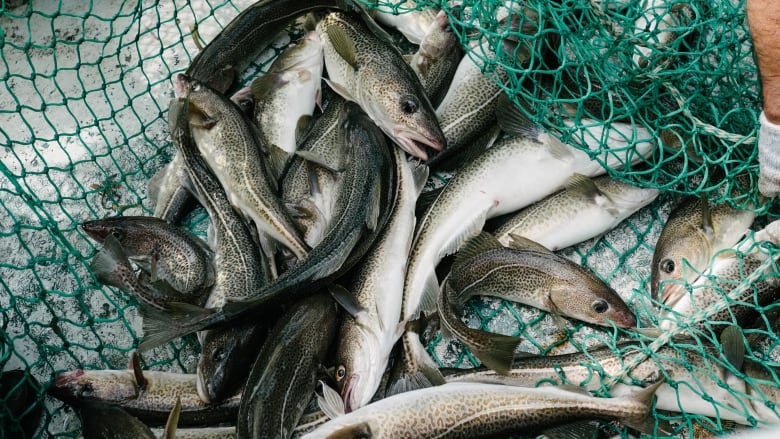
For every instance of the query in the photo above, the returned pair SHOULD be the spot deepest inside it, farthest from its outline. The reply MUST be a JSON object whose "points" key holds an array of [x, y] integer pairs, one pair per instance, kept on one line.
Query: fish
{"points": [[201, 433], [455, 410], [287, 95], [240, 266], [376, 290], [150, 397], [309, 191], [172, 202], [413, 367], [174, 258], [407, 17], [491, 186], [363, 205], [658, 27], [595, 206], [693, 233], [282, 379], [111, 266], [229, 146], [697, 379], [437, 58], [368, 70], [20, 392], [100, 420], [223, 59]]}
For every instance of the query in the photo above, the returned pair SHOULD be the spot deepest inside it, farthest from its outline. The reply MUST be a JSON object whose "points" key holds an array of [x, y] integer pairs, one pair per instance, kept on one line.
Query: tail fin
{"points": [[645, 423], [179, 320], [416, 369]]}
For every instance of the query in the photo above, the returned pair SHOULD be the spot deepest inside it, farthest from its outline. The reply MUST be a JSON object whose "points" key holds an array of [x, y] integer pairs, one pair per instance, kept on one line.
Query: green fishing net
{"points": [[83, 127]]}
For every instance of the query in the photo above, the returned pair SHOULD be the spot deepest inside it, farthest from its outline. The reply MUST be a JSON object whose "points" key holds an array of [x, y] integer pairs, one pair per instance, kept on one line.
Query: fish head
{"points": [[120, 227], [206, 106], [591, 301], [679, 258], [440, 39], [306, 54], [412, 123], [78, 385], [359, 366], [226, 355]]}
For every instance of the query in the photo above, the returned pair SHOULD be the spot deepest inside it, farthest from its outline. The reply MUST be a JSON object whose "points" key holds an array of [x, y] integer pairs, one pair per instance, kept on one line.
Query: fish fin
{"points": [[557, 317], [426, 199], [224, 79], [264, 85], [343, 45], [277, 160], [319, 160], [173, 420], [472, 248], [519, 242], [499, 352], [408, 59], [574, 430], [430, 294], [645, 423], [471, 230], [302, 209], [344, 297], [200, 119], [582, 184], [330, 402], [420, 174], [178, 320], [559, 150], [372, 216], [706, 217], [154, 186], [733, 346], [164, 288], [245, 101], [648, 332], [340, 90], [303, 128], [107, 259], [575, 389], [425, 374], [512, 120], [138, 373]]}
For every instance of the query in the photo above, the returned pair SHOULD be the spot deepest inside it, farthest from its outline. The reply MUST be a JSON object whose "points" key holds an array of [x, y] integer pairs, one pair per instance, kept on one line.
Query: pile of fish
{"points": [[321, 263]]}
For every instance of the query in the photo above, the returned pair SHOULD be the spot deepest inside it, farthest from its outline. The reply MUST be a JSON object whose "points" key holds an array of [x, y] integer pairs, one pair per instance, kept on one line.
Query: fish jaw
{"points": [[414, 142], [96, 230], [181, 85]]}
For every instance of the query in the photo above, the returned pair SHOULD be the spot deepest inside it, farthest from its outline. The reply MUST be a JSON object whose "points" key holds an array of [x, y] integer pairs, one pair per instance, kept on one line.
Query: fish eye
{"points": [[341, 372], [195, 86], [409, 105], [600, 306], [667, 266], [218, 355], [117, 233]]}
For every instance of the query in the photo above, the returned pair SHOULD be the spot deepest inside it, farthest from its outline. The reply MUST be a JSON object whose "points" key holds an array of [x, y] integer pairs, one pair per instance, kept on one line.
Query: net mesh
{"points": [[83, 127]]}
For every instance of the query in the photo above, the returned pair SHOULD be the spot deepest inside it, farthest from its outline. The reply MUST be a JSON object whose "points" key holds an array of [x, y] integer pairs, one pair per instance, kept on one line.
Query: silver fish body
{"points": [[368, 70], [100, 420], [171, 200], [412, 20], [462, 410], [583, 210], [437, 58], [229, 146], [365, 340]]}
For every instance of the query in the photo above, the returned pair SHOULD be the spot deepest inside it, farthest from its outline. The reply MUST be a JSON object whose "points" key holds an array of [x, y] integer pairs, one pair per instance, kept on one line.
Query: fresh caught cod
{"points": [[411, 20], [437, 58], [100, 420], [171, 200], [150, 398], [241, 271], [287, 94], [491, 186], [284, 375], [464, 410], [364, 204], [694, 232], [172, 257], [366, 339], [229, 146], [223, 60], [371, 72], [698, 380], [201, 433], [584, 209], [310, 191]]}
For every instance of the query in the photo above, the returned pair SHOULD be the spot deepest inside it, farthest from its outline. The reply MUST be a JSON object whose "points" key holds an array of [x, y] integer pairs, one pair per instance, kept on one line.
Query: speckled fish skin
{"points": [[229, 146], [723, 275], [412, 21], [182, 260], [283, 377], [437, 58], [247, 35], [241, 272], [485, 188], [288, 91], [365, 341], [465, 410], [201, 433], [684, 237], [318, 204], [152, 404], [573, 216], [697, 370], [536, 278], [383, 84], [171, 200], [101, 421]]}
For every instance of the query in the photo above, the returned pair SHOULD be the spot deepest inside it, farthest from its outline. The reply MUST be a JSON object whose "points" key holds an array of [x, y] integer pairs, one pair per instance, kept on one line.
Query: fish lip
{"points": [[201, 386], [95, 230], [180, 84], [348, 390], [671, 294], [414, 143], [66, 378]]}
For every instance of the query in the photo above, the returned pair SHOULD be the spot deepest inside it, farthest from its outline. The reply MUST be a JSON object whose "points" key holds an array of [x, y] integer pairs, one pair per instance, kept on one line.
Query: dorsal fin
{"points": [[475, 246], [342, 44], [512, 120]]}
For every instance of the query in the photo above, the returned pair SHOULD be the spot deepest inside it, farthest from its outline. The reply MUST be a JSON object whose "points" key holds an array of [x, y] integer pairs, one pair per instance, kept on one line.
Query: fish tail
{"points": [[645, 422], [177, 320], [418, 369], [109, 261]]}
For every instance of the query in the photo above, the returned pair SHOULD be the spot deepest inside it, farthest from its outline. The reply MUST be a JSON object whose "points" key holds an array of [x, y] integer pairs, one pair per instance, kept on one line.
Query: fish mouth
{"points": [[66, 378], [180, 85], [672, 293], [203, 393], [348, 391], [96, 231], [414, 142], [625, 320]]}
